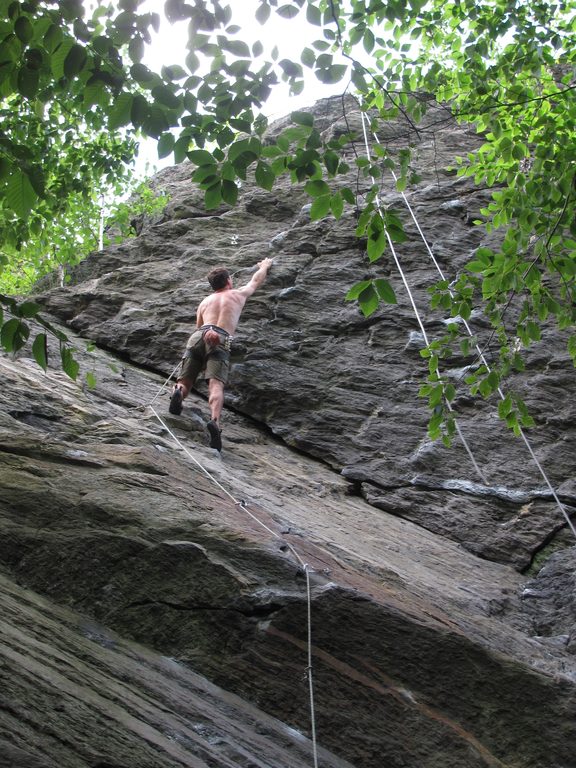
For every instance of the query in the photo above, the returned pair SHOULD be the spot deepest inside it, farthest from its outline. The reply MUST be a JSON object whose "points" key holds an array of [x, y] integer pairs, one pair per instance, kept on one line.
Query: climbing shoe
{"points": [[214, 432], [175, 406]]}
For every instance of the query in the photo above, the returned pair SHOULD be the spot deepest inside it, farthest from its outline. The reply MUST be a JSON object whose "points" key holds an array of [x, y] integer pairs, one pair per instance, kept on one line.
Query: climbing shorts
{"points": [[213, 359]]}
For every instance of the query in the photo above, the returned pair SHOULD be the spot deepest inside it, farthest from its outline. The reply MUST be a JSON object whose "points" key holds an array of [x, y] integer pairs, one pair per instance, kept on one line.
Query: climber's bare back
{"points": [[222, 309]]}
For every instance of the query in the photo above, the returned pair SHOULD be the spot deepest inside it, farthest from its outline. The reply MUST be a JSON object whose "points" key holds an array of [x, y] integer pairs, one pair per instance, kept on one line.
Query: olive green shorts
{"points": [[213, 359]]}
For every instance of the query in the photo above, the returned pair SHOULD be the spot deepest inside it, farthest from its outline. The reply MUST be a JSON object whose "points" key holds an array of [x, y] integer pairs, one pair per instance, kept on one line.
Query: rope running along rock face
{"points": [[468, 330], [241, 503], [415, 308]]}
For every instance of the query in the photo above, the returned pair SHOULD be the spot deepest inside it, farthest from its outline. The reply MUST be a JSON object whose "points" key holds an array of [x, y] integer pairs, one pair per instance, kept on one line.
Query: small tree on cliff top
{"points": [[74, 93]]}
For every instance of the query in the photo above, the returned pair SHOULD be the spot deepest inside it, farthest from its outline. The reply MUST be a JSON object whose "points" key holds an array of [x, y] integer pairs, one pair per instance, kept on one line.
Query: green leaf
{"points": [[181, 149], [40, 350], [357, 289], [337, 205], [20, 195], [174, 72], [263, 13], [332, 74], [28, 81], [95, 93], [201, 157], [436, 392], [485, 256], [91, 380], [140, 111], [69, 365], [192, 61], [23, 29], [265, 176], [177, 10], [348, 195], [229, 192], [296, 133], [313, 15], [533, 330], [136, 50], [317, 188], [14, 334], [291, 68], [52, 38], [166, 96], [213, 196], [475, 266], [396, 233], [505, 407], [287, 11], [331, 161], [28, 309], [7, 334], [376, 244], [166, 144], [58, 57], [272, 151], [75, 61], [237, 47], [368, 41], [243, 152], [121, 112], [308, 57], [206, 175], [572, 348], [385, 291], [142, 74], [320, 208], [368, 301]]}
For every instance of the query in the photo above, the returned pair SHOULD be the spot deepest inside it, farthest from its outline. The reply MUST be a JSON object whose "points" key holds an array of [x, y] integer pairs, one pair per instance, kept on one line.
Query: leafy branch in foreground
{"points": [[71, 237], [15, 332]]}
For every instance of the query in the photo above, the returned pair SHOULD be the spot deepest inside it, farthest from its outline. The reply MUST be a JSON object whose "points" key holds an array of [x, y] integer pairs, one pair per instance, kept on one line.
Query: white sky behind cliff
{"points": [[289, 35]]}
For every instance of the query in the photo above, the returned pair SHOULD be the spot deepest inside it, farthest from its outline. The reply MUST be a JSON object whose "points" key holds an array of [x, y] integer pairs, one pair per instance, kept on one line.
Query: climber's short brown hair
{"points": [[218, 278]]}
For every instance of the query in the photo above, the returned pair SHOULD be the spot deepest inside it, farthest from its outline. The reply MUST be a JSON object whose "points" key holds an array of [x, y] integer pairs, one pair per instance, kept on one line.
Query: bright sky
{"points": [[289, 35]]}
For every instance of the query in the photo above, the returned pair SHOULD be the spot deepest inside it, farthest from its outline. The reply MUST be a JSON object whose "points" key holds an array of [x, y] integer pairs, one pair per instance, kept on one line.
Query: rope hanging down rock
{"points": [[415, 308], [479, 351], [241, 504]]}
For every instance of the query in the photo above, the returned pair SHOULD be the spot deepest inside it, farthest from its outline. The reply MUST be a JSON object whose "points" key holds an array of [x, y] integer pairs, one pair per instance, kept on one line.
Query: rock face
{"points": [[74, 693], [442, 598]]}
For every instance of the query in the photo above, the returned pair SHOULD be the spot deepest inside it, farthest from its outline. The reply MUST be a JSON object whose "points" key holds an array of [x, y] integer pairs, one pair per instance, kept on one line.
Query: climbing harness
{"points": [[241, 504], [479, 351], [225, 338]]}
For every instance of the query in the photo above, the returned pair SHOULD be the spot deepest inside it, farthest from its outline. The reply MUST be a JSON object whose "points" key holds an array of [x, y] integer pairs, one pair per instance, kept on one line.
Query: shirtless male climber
{"points": [[208, 348]]}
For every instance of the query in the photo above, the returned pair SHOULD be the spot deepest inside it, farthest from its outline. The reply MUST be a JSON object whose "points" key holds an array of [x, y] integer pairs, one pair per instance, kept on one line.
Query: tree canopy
{"points": [[75, 96]]}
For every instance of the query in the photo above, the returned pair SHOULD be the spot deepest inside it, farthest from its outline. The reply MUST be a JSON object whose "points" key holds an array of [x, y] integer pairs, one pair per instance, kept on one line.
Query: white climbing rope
{"points": [[415, 308], [477, 347], [157, 395], [309, 667], [241, 503]]}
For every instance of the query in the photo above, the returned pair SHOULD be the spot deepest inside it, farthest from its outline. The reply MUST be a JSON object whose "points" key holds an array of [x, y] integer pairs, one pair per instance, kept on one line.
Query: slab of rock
{"points": [[76, 694], [119, 513], [441, 593]]}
